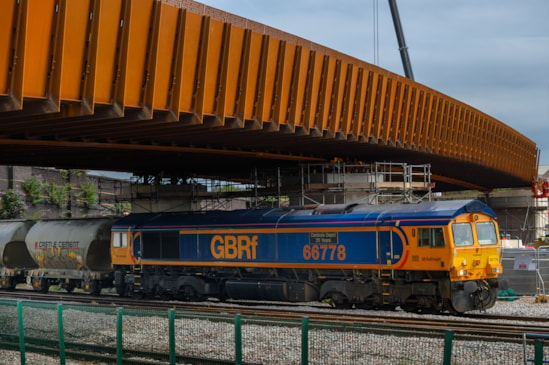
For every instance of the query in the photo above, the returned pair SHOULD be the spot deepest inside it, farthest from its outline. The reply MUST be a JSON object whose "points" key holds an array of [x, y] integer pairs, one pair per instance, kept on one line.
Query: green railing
{"points": [[45, 333]]}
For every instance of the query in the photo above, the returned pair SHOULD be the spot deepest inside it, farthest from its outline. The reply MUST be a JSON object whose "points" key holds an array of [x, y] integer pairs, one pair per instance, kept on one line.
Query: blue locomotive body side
{"points": [[308, 247], [367, 235], [322, 244]]}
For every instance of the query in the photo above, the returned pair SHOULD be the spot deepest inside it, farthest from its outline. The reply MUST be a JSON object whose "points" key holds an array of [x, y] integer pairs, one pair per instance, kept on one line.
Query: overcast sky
{"points": [[490, 54]]}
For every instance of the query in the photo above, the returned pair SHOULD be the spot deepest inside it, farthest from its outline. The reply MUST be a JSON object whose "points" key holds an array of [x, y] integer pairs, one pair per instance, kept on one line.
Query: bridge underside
{"points": [[179, 88]]}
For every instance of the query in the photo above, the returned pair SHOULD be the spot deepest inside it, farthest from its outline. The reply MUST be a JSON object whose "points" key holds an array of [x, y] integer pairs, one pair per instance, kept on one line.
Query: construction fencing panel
{"points": [[9, 326], [87, 333]]}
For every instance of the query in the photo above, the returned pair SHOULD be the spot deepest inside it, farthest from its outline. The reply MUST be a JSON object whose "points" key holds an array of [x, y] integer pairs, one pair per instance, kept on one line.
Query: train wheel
{"points": [[136, 294], [130, 293], [92, 287], [96, 288], [121, 290], [429, 304], [411, 305], [366, 306], [40, 285], [485, 298], [8, 283], [69, 286], [388, 307], [344, 305], [409, 308], [166, 296], [187, 293], [452, 310], [339, 301]]}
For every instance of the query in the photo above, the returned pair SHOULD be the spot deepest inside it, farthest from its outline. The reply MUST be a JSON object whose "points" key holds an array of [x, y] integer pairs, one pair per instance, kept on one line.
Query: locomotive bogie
{"points": [[473, 295], [165, 283]]}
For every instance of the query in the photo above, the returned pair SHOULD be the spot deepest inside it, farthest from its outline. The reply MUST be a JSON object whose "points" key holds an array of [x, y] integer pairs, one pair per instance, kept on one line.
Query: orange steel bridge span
{"points": [[175, 86]]}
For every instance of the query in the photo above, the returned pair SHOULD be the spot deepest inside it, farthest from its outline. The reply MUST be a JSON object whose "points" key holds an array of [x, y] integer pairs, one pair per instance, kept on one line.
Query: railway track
{"points": [[480, 326]]}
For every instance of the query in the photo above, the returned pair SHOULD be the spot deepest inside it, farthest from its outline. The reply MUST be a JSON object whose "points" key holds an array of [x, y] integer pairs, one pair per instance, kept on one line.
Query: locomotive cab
{"points": [[476, 261], [477, 250], [123, 260], [121, 248]]}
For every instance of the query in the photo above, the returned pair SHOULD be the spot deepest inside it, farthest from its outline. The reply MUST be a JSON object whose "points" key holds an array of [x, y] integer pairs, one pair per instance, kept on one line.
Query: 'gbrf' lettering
{"points": [[232, 247]]}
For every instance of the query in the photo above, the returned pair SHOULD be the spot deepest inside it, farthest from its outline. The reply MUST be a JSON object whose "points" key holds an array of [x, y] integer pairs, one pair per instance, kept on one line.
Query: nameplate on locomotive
{"points": [[326, 238]]}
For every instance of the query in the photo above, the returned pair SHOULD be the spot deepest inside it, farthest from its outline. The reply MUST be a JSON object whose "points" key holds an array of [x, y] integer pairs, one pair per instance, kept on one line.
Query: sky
{"points": [[490, 54]]}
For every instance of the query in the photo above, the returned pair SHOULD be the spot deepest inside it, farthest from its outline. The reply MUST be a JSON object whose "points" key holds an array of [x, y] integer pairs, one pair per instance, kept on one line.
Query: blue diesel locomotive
{"points": [[426, 257]]}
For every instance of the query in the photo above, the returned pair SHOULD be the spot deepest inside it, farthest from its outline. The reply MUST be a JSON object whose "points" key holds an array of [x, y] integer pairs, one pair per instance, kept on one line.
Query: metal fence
{"points": [[45, 333]]}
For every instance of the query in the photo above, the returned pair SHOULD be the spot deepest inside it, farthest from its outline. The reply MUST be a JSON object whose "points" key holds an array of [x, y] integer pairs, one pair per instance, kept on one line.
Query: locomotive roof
{"points": [[447, 209]]}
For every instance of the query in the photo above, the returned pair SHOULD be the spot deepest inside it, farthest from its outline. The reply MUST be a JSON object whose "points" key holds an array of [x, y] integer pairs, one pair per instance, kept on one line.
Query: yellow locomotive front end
{"points": [[476, 261]]}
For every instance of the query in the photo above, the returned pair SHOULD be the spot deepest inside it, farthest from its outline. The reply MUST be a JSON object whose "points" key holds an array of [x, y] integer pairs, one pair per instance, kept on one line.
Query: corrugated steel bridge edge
{"points": [[181, 77]]}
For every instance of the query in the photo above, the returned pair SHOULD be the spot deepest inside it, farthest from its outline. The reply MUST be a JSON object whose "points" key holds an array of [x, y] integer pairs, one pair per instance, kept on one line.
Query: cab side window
{"points": [[430, 237], [120, 239]]}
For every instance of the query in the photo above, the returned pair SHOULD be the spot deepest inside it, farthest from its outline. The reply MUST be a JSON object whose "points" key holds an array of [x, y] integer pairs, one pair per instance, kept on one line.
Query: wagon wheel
{"points": [[69, 286], [9, 283], [40, 285], [93, 287]]}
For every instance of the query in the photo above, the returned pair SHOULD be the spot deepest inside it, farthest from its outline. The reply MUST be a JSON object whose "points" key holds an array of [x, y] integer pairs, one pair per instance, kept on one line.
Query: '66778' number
{"points": [[324, 252]]}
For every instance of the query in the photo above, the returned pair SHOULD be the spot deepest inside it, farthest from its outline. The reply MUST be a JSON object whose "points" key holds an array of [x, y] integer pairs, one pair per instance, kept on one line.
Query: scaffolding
{"points": [[377, 183], [305, 184]]}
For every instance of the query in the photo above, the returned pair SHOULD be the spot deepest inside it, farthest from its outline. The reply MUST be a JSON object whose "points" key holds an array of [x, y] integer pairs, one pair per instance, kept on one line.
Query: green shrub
{"points": [[89, 194], [122, 207], [33, 187], [12, 205], [58, 194]]}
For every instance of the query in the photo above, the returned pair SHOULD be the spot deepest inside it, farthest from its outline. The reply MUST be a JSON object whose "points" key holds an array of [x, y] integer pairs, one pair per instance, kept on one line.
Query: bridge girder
{"points": [[174, 85]]}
